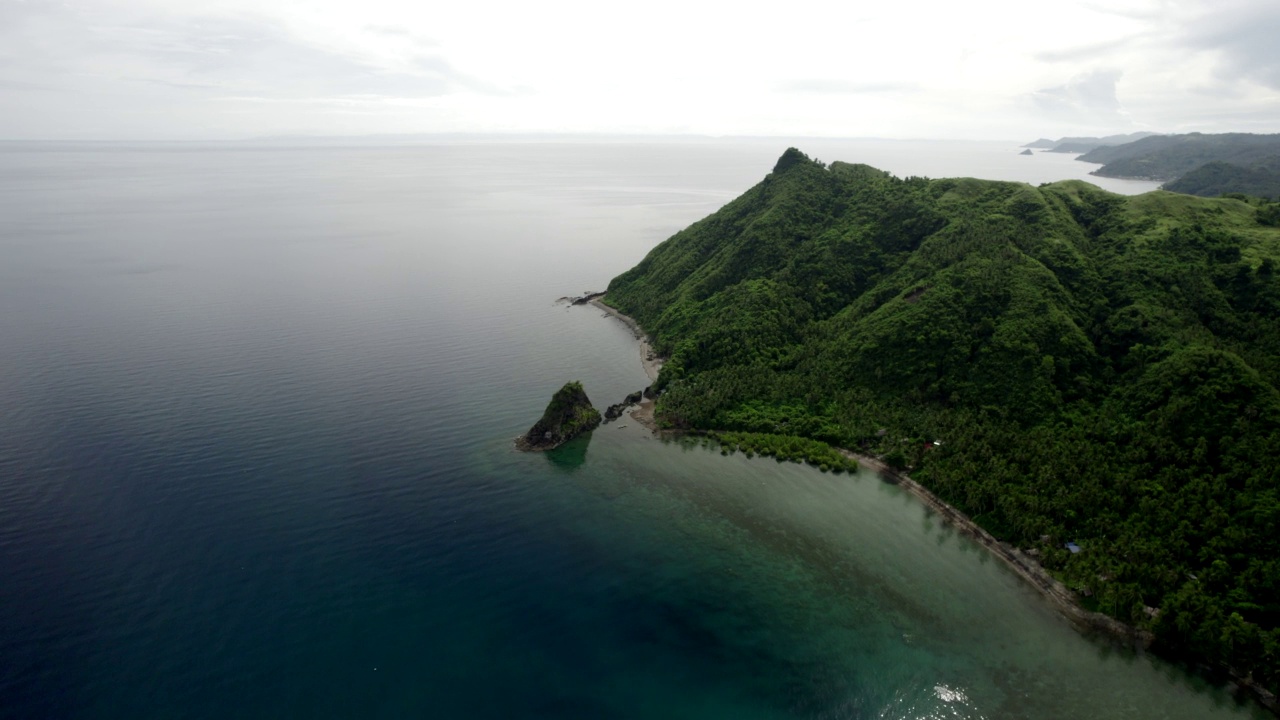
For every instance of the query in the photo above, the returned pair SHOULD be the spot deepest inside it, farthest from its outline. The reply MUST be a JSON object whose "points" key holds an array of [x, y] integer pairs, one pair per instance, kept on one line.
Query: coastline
{"points": [[1141, 178], [648, 358], [1061, 598]]}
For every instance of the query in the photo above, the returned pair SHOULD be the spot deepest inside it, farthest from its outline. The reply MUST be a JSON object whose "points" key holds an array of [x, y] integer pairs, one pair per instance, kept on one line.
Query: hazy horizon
{"points": [[551, 136], [392, 137], [132, 70]]}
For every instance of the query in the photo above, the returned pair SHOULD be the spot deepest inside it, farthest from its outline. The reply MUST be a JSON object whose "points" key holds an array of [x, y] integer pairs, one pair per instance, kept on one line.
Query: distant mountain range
{"points": [[1169, 157], [1084, 144], [1191, 163]]}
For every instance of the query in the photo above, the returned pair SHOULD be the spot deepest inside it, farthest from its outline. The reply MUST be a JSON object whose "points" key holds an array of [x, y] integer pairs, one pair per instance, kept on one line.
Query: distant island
{"points": [[1026, 152], [1090, 378]]}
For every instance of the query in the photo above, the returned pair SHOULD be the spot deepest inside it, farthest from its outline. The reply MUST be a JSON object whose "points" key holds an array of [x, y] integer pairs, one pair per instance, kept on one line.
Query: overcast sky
{"points": [[983, 69]]}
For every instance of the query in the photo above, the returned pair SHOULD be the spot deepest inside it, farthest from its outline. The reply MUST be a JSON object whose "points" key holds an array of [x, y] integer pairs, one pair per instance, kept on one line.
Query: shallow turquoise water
{"points": [[256, 411]]}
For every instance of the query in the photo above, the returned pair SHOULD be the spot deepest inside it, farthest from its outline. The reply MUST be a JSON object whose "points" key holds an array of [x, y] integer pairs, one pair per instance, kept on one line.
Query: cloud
{"points": [[7, 84], [1087, 97], [1231, 119], [239, 54], [401, 32], [1083, 52], [249, 55], [138, 69], [1246, 38], [844, 87], [178, 85], [1151, 11], [141, 67]]}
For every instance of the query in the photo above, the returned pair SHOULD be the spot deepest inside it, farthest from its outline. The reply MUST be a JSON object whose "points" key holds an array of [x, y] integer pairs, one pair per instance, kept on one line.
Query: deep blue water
{"points": [[256, 411]]}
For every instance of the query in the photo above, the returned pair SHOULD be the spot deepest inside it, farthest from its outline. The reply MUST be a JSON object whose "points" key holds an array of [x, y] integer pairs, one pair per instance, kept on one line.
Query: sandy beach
{"points": [[648, 358]]}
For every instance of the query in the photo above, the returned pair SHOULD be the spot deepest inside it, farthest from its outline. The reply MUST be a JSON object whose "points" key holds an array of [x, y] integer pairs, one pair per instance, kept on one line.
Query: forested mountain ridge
{"points": [[1098, 369], [1085, 144], [1259, 178], [1167, 157]]}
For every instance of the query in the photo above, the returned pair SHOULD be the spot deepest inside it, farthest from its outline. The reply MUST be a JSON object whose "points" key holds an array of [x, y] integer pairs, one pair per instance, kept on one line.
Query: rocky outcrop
{"points": [[587, 298], [568, 415], [583, 299], [613, 412]]}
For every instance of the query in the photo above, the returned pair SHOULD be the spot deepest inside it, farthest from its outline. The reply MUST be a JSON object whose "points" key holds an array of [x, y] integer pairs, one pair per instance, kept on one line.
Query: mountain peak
{"points": [[790, 159]]}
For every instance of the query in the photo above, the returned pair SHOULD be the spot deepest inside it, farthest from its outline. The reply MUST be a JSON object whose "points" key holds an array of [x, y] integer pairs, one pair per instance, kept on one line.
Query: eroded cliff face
{"points": [[568, 415]]}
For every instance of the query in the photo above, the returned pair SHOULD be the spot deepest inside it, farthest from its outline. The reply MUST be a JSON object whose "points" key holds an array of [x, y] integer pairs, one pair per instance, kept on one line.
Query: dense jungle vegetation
{"points": [[1094, 368]]}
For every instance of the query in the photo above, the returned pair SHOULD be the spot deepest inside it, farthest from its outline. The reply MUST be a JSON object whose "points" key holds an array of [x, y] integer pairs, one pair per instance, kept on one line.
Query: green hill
{"points": [[1098, 369], [1259, 179]]}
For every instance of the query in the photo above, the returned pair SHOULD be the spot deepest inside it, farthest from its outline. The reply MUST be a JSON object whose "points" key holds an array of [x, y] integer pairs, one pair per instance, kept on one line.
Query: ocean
{"points": [[257, 404]]}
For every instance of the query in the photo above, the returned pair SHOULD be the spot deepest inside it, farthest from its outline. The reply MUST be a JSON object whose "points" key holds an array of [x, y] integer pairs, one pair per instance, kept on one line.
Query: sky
{"points": [[984, 69]]}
